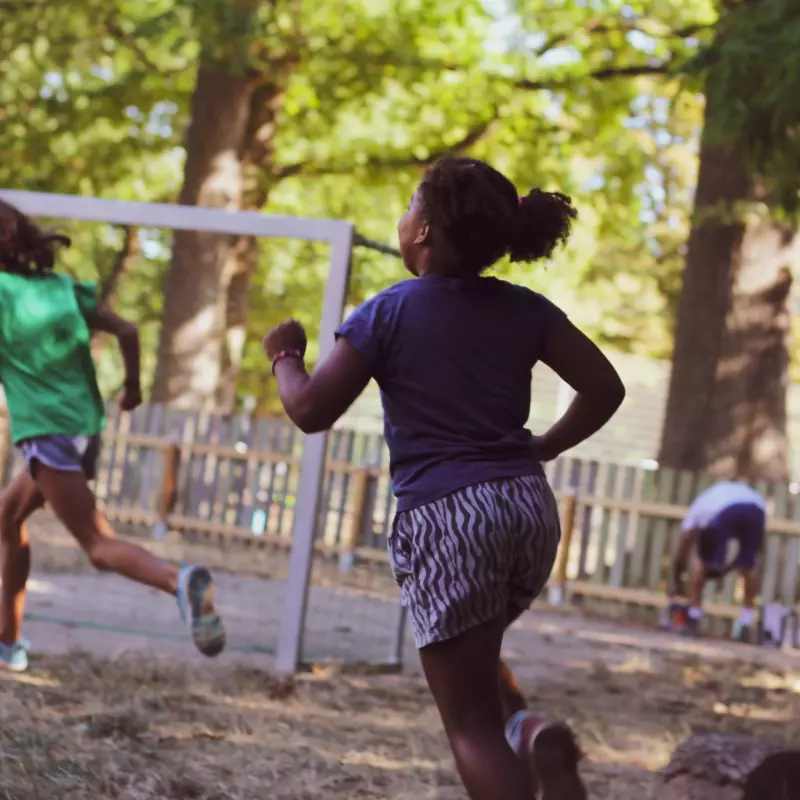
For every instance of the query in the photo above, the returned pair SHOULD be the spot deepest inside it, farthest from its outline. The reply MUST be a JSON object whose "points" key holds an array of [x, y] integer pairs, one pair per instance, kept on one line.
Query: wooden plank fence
{"points": [[233, 479]]}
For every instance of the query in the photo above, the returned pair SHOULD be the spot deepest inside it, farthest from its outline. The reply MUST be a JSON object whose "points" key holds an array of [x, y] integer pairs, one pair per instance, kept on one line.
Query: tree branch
{"points": [[649, 28], [604, 74], [308, 167], [371, 244], [115, 30], [110, 283]]}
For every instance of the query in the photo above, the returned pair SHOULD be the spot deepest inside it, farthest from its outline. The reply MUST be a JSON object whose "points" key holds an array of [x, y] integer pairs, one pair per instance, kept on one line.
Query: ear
{"points": [[423, 234]]}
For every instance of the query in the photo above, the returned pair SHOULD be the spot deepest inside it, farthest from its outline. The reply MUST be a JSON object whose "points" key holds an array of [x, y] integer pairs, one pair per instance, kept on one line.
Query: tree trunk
{"points": [[236, 315], [192, 333], [257, 163], [726, 407], [719, 766], [109, 285]]}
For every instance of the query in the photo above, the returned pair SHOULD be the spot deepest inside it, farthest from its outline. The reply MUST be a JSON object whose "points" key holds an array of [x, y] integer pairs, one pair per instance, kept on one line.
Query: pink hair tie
{"points": [[521, 198]]}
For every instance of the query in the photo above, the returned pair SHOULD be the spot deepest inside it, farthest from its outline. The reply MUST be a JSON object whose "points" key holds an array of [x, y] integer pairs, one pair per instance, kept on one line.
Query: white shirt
{"points": [[714, 500]]}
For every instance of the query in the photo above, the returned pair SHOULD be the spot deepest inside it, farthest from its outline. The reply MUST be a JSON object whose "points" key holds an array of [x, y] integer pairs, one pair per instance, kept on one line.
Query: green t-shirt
{"points": [[46, 365]]}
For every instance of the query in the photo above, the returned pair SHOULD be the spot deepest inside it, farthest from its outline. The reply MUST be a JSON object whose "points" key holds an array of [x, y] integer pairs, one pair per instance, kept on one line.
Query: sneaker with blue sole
{"points": [[14, 657], [196, 604]]}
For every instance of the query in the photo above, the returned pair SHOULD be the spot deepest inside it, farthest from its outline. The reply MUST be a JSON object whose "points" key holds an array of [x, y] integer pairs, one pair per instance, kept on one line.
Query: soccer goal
{"points": [[291, 623]]}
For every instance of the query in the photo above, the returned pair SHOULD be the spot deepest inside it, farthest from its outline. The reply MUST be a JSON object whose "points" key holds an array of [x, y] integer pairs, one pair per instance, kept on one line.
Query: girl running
{"points": [[477, 527], [56, 415]]}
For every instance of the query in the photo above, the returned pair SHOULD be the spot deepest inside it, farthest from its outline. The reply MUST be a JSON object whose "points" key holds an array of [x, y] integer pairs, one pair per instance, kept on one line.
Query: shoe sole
{"points": [[555, 756], [13, 667], [208, 631]]}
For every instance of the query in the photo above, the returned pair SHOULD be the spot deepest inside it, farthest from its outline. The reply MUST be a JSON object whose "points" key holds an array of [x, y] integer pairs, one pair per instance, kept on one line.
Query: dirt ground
{"points": [[117, 704]]}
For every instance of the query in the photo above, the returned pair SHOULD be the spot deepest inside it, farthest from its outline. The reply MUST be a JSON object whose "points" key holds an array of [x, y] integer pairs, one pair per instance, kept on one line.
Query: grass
{"points": [[134, 728]]}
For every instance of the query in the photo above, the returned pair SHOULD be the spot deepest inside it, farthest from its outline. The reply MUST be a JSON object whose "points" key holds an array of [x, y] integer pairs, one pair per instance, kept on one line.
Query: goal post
{"points": [[339, 236]]}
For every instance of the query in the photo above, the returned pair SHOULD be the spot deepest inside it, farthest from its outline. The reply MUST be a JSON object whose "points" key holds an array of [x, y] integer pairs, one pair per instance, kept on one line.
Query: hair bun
{"points": [[542, 222]]}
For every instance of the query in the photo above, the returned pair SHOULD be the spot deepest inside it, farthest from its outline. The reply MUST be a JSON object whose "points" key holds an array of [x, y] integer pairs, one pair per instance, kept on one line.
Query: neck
{"points": [[438, 267]]}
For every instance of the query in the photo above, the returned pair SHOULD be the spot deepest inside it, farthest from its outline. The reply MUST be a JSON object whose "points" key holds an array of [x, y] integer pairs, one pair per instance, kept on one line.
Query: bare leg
{"points": [[550, 751], [750, 581], [698, 581], [463, 676], [72, 501], [19, 501], [510, 692]]}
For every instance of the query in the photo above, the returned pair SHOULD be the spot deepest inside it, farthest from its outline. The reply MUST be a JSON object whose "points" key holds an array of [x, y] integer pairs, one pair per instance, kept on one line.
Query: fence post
{"points": [[557, 590], [358, 519], [168, 498]]}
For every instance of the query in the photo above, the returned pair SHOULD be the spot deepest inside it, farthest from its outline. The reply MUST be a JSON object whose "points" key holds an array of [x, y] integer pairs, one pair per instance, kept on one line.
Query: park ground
{"points": [[132, 713]]}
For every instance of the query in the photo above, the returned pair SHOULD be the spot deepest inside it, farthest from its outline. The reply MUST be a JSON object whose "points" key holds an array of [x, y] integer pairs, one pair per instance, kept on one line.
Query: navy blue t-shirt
{"points": [[453, 361]]}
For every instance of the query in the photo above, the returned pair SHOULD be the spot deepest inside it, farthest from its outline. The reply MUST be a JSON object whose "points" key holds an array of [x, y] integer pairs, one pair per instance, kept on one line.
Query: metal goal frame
{"points": [[339, 236]]}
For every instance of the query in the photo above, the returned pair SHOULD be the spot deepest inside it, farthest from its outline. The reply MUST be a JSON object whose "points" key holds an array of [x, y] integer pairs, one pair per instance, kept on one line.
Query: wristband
{"points": [[285, 354]]}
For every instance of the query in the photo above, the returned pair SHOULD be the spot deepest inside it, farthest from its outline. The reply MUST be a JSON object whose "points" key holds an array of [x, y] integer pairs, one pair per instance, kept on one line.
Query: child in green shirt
{"points": [[57, 415]]}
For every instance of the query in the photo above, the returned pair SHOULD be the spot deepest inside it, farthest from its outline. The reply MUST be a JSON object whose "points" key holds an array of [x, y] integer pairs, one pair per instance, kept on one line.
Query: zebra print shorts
{"points": [[475, 554]]}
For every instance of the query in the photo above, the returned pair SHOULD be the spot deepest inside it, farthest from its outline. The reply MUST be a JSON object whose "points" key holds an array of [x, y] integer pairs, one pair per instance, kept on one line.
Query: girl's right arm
{"points": [[599, 390]]}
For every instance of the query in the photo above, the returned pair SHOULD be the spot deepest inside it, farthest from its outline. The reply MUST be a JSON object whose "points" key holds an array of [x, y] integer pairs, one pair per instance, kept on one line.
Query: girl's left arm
{"points": [[127, 334]]}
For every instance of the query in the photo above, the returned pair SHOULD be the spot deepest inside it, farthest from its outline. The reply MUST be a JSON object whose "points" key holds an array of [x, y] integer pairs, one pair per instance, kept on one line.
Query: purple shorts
{"points": [[62, 453], [744, 523]]}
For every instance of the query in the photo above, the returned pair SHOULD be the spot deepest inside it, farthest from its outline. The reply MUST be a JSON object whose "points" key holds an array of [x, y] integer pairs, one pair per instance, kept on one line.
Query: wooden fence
{"points": [[234, 479]]}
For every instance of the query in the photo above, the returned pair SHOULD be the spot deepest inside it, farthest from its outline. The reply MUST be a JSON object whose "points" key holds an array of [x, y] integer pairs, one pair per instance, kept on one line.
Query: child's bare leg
{"points": [[550, 748], [747, 615], [72, 501], [750, 582], [698, 582], [19, 501], [462, 675], [510, 692]]}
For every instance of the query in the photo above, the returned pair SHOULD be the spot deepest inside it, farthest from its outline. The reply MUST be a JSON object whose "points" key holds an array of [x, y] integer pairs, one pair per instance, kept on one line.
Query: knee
{"points": [[12, 519], [98, 554]]}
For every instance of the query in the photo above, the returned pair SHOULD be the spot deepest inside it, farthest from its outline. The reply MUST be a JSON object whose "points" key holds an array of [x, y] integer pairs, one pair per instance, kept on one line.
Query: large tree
{"points": [[726, 411], [249, 51]]}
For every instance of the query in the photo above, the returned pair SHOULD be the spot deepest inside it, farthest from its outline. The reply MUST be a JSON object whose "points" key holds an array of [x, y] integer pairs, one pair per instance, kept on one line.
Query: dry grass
{"points": [[132, 728], [77, 727]]}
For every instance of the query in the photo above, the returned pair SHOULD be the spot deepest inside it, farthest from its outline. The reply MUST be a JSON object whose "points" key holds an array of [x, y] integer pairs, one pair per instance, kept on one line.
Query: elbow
{"points": [[309, 425], [128, 334], [309, 417], [609, 396], [616, 394]]}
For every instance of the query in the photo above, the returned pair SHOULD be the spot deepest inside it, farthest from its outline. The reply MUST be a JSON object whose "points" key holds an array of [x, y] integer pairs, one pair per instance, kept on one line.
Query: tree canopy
{"points": [[587, 97]]}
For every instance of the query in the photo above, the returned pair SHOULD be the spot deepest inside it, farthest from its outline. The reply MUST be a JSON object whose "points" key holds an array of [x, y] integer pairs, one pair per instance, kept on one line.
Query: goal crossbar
{"points": [[165, 215]]}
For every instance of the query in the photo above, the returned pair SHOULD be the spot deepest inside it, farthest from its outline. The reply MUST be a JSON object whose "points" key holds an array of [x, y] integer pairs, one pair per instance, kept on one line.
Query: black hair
{"points": [[24, 248], [476, 213]]}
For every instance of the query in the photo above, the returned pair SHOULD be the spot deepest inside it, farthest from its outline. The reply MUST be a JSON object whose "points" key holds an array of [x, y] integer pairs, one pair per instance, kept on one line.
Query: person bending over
{"points": [[477, 527], [725, 512], [57, 415]]}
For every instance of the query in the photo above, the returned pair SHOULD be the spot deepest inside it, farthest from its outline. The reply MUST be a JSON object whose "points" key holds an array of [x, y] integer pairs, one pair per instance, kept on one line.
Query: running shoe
{"points": [[14, 657], [554, 756], [196, 604]]}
